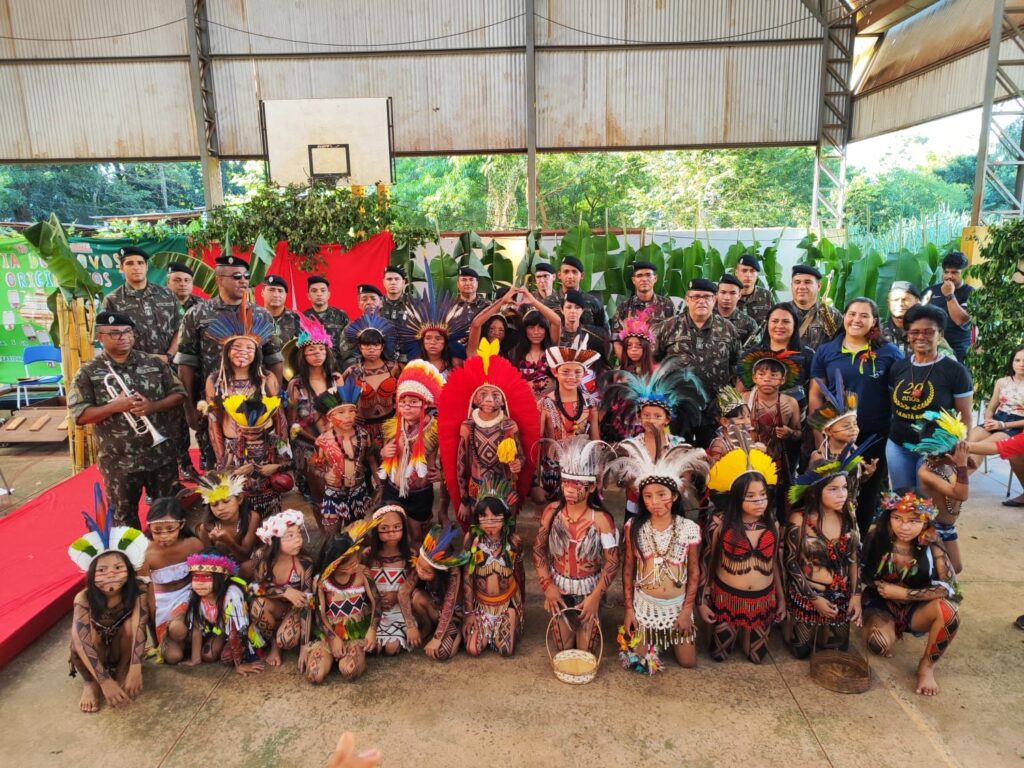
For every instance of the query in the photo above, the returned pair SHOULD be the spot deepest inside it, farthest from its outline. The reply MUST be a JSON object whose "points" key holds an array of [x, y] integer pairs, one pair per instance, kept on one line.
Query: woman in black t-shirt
{"points": [[926, 381]]}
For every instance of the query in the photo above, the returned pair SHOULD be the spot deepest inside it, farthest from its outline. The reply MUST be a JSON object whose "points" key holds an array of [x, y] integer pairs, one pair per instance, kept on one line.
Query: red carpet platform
{"points": [[38, 581]]}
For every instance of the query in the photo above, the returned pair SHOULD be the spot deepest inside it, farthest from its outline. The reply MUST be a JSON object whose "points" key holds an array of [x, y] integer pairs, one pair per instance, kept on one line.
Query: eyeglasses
{"points": [[927, 333], [239, 276], [117, 335], [701, 298]]}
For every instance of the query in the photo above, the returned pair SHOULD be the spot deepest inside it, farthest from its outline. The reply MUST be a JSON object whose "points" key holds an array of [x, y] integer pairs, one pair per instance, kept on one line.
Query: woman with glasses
{"points": [[926, 382]]}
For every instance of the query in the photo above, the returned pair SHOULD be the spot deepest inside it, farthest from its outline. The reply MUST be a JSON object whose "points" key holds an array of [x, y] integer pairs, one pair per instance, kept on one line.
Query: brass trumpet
{"points": [[116, 386]]}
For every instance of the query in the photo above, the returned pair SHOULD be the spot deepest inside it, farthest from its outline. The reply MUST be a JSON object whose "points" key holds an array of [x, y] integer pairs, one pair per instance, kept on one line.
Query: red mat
{"points": [[38, 581]]}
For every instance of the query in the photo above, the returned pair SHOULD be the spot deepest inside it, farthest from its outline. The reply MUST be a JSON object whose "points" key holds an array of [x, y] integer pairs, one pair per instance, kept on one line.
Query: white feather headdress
{"points": [[636, 465]]}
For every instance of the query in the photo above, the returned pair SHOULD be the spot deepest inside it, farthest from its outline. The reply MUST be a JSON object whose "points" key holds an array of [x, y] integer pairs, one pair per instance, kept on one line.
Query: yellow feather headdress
{"points": [[738, 462]]}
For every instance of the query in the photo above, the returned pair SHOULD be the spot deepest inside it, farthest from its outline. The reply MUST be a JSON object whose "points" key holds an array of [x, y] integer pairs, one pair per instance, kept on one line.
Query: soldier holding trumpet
{"points": [[130, 398]]}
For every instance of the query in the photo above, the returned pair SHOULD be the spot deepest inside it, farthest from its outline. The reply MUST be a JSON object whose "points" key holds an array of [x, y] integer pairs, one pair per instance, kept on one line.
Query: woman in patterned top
{"points": [[388, 557]]}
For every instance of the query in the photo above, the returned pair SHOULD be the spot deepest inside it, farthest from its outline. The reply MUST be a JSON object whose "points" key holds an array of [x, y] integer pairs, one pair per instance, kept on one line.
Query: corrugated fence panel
{"points": [[441, 103], [89, 111], [362, 22], [670, 21], [75, 19], [952, 87], [690, 97]]}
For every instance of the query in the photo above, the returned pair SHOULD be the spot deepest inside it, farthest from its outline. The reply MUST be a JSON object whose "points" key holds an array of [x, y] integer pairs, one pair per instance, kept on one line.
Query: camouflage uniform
{"points": [[185, 306], [129, 462], [813, 332], [758, 304], [154, 310], [593, 312], [710, 352], [203, 355], [182, 435], [552, 301], [286, 326], [663, 309], [395, 313], [744, 324], [468, 310]]}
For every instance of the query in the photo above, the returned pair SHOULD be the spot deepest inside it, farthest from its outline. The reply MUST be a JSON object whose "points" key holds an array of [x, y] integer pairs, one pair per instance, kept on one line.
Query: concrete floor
{"points": [[514, 712]]}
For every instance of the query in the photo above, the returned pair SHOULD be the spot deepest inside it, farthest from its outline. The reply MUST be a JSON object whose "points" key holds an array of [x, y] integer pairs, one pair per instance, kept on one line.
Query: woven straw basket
{"points": [[840, 671], [572, 665]]}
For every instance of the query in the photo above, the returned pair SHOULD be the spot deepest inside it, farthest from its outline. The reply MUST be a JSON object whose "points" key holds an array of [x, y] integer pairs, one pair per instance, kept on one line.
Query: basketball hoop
{"points": [[329, 162]]}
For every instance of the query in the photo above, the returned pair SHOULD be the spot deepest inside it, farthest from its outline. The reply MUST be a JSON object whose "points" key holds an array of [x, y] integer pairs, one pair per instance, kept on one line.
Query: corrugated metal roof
{"points": [[753, 94], [75, 19], [362, 22], [670, 21], [452, 103], [104, 110], [955, 86]]}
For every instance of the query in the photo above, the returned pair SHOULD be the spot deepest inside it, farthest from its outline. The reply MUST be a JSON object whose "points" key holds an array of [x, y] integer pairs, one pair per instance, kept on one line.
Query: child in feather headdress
{"points": [[494, 578], [230, 525], [348, 608], [108, 629], [774, 416], [944, 477], [248, 430], [375, 372], [434, 593]]}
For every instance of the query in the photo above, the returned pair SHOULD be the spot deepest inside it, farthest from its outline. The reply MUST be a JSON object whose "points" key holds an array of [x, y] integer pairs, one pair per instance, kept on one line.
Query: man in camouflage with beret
{"points": [[333, 320], [469, 303], [180, 283], [755, 300], [727, 306], [152, 308], [818, 322], [544, 278], [199, 355], [394, 306], [286, 321], [644, 277], [705, 343], [570, 275], [128, 460]]}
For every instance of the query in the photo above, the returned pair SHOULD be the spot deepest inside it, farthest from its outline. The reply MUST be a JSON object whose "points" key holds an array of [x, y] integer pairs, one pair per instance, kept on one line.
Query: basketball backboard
{"points": [[347, 141]]}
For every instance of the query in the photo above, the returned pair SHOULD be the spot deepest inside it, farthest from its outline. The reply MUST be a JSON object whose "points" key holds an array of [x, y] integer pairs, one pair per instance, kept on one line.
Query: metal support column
{"points": [[531, 118], [839, 29], [203, 104], [999, 145]]}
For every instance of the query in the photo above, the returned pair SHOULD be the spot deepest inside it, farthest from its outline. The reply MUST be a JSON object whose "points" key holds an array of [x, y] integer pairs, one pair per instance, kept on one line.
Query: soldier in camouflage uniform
{"points": [[818, 323], [727, 306], [395, 304], [179, 283], [705, 343], [469, 303], [644, 297], [152, 308], [333, 320], [544, 277], [128, 462], [570, 274], [369, 298], [199, 355], [755, 300], [286, 321]]}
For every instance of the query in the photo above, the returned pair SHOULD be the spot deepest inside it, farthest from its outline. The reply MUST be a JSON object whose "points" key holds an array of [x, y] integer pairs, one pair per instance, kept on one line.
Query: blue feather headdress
{"points": [[839, 403], [371, 321], [245, 324], [672, 386], [106, 537], [432, 311], [940, 432], [439, 547], [346, 393], [824, 471]]}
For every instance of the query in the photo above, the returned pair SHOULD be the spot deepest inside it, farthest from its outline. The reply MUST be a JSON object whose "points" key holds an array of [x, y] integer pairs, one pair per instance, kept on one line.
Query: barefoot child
{"points": [[435, 594], [388, 557], [282, 584], [108, 629], [218, 616], [172, 543], [909, 584], [348, 607]]}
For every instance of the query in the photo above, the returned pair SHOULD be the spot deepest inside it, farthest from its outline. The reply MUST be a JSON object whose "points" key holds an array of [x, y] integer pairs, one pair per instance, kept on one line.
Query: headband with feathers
{"points": [[638, 326], [729, 399], [244, 324], [787, 361], [839, 403], [210, 562], [671, 386], [103, 536], [217, 486], [433, 311], [439, 548], [352, 540], [845, 463], [636, 465], [740, 461], [371, 321], [346, 393], [940, 432], [577, 353], [579, 457], [312, 331]]}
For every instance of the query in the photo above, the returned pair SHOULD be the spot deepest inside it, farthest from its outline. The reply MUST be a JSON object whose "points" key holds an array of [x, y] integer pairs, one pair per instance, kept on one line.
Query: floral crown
{"points": [[909, 502], [274, 527], [208, 562]]}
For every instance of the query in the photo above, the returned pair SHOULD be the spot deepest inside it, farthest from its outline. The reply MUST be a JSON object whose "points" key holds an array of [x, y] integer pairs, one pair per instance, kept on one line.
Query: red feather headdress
{"points": [[456, 401]]}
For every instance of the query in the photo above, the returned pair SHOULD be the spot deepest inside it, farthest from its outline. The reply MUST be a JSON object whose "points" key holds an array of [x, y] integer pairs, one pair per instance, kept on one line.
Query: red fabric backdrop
{"points": [[364, 263]]}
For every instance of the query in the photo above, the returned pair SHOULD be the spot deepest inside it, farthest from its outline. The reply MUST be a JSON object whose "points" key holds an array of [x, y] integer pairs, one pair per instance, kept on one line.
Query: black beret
{"points": [[575, 296], [396, 269], [114, 318], [175, 266], [468, 272], [749, 261], [276, 281], [954, 260], [572, 261], [367, 288], [133, 250], [231, 261], [806, 269], [701, 284], [314, 279], [730, 280], [638, 265], [905, 285], [543, 266]]}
